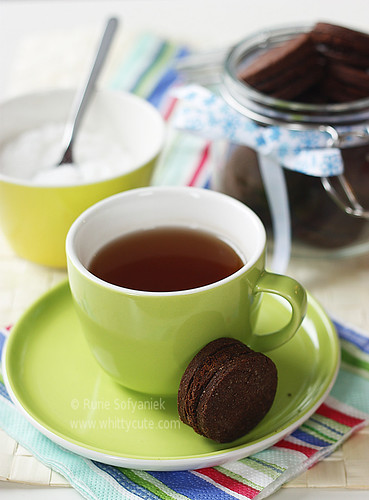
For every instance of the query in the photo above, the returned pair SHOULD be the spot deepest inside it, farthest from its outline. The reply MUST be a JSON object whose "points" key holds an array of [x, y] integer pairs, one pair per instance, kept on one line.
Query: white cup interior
{"points": [[152, 207]]}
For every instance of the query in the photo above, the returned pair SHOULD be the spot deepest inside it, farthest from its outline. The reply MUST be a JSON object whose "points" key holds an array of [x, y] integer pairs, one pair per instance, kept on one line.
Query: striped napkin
{"points": [[345, 411], [147, 69]]}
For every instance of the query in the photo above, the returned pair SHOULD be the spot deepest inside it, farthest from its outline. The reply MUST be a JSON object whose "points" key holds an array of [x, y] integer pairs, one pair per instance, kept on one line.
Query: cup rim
{"points": [[119, 94], [74, 260]]}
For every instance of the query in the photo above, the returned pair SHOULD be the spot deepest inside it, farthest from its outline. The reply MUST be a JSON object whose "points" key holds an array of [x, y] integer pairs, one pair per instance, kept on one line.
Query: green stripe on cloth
{"points": [[359, 365], [152, 484], [336, 428], [148, 81], [313, 431], [133, 476], [137, 57], [181, 152], [237, 477], [354, 350], [272, 470]]}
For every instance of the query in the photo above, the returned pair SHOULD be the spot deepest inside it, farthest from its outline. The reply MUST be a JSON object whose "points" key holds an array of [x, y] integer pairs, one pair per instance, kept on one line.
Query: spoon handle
{"points": [[82, 97]]}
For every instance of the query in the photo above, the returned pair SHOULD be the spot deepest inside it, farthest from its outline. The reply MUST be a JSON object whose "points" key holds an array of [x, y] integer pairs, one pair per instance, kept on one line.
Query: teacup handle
{"points": [[295, 294]]}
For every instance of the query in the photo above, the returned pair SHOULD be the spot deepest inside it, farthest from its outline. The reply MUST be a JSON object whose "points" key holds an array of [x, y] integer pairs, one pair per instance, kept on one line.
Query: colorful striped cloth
{"points": [[345, 411], [147, 69]]}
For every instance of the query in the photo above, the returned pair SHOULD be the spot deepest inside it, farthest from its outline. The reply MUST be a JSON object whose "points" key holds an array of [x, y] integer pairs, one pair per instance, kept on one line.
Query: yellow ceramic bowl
{"points": [[35, 218]]}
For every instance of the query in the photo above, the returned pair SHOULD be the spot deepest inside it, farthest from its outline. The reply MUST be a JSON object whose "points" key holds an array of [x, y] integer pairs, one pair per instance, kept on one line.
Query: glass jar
{"points": [[329, 216]]}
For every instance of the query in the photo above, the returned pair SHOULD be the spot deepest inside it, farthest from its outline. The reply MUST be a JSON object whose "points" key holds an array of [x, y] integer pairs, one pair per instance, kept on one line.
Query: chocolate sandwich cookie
{"points": [[287, 70], [298, 84], [344, 83], [329, 64], [226, 390], [336, 91], [342, 44]]}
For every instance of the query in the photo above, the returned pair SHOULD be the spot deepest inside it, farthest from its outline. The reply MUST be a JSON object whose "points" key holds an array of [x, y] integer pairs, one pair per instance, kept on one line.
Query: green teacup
{"points": [[145, 339]]}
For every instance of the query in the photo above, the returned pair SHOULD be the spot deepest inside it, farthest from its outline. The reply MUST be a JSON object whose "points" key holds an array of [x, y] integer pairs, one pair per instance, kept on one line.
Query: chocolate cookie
{"points": [[344, 83], [226, 390], [315, 218], [287, 70], [342, 44], [327, 65]]}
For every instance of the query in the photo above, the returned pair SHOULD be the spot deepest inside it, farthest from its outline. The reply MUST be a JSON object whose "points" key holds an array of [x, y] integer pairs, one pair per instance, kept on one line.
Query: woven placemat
{"points": [[18, 465], [346, 468]]}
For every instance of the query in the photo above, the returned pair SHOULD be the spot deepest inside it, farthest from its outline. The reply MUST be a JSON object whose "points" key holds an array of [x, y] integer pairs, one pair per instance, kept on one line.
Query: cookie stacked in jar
{"points": [[305, 78]]}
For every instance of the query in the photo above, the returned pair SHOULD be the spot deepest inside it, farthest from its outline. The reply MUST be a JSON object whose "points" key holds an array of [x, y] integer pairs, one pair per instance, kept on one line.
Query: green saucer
{"points": [[52, 377]]}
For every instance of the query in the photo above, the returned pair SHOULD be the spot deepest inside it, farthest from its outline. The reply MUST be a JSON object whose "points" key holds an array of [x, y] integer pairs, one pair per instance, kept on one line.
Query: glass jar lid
{"points": [[269, 110]]}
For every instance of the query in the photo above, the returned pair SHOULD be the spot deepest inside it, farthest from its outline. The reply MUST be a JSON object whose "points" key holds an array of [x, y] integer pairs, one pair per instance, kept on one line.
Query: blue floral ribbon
{"points": [[307, 151]]}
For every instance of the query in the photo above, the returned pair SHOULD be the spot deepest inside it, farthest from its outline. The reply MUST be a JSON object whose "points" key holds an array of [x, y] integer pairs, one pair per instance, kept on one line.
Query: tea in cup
{"points": [[157, 273]]}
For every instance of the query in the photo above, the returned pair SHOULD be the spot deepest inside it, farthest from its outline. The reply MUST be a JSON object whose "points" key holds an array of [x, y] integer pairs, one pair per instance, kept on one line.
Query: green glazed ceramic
{"points": [[145, 340], [54, 380], [35, 218]]}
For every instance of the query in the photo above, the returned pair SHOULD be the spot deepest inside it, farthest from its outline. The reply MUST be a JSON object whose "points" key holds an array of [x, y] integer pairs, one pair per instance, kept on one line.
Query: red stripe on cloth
{"points": [[200, 166], [295, 447], [338, 416], [170, 108], [228, 482]]}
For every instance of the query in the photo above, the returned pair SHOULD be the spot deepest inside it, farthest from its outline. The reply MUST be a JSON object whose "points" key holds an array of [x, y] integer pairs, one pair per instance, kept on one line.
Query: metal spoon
{"points": [[83, 95]]}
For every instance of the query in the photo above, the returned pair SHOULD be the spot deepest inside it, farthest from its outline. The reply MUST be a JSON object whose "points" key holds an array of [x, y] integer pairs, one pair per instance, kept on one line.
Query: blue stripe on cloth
{"points": [[2, 342], [160, 91], [355, 338], [207, 184], [125, 482], [308, 438], [268, 465], [166, 81], [3, 392], [332, 429], [194, 487]]}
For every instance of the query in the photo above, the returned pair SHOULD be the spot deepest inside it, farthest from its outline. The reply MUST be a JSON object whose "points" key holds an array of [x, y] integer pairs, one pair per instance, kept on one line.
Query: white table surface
{"points": [[341, 286]]}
